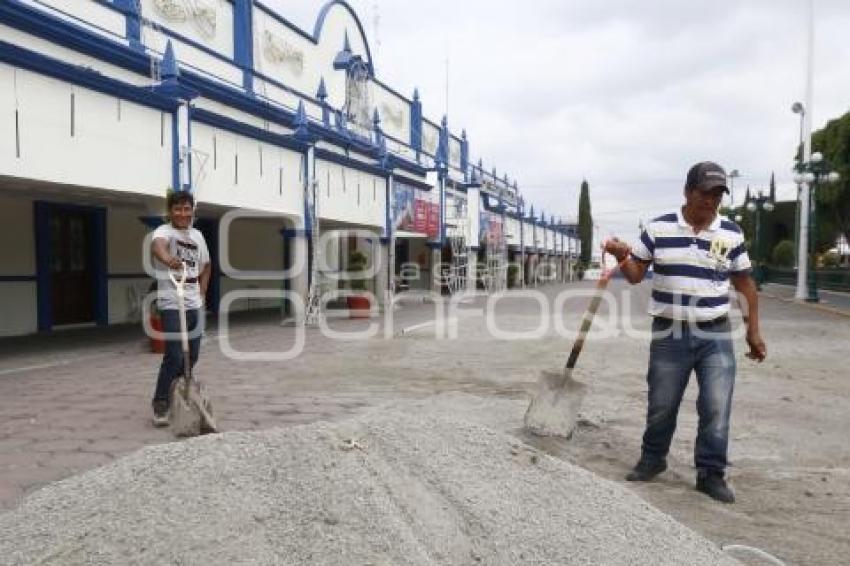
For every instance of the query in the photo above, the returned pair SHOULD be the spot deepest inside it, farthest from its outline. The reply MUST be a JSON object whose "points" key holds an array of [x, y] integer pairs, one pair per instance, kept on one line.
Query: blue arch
{"points": [[320, 22]]}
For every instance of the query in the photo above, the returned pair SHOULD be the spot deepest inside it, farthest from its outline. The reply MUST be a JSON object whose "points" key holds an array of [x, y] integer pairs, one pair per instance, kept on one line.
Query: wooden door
{"points": [[71, 277]]}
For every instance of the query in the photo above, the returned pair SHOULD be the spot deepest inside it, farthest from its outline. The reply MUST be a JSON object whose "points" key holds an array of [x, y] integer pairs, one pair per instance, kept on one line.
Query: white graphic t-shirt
{"points": [[190, 247]]}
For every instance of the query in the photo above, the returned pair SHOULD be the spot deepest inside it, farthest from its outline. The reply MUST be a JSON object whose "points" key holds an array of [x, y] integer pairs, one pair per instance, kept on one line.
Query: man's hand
{"points": [[758, 349], [617, 248]]}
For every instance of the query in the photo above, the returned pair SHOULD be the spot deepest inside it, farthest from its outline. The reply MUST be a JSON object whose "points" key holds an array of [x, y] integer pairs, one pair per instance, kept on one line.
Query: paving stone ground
{"points": [[80, 399]]}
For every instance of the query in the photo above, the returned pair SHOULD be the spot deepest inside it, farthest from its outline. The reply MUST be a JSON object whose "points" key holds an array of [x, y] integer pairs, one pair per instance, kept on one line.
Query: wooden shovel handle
{"points": [[601, 285]]}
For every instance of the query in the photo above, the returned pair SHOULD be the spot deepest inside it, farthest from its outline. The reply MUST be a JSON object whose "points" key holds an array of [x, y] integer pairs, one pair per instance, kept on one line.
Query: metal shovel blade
{"points": [[184, 416], [554, 409], [191, 410]]}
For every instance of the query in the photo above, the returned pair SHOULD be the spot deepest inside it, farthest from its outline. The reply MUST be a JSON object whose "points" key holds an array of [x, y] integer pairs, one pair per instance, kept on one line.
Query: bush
{"points": [[831, 259], [357, 262], [783, 254]]}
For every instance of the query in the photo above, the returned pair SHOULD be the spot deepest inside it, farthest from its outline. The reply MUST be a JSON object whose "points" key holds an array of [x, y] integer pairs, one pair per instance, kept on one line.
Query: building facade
{"points": [[295, 150]]}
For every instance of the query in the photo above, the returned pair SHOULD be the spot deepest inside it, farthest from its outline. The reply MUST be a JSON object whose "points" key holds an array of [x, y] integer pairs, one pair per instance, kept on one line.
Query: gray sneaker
{"points": [[160, 413]]}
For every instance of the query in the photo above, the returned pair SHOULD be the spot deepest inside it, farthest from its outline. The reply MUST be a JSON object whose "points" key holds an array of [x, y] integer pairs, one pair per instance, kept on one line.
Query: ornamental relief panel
{"points": [[201, 13], [278, 51]]}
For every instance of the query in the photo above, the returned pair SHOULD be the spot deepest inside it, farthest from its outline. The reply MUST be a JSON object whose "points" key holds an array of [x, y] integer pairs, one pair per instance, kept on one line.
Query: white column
{"points": [[803, 249], [382, 271], [299, 281]]}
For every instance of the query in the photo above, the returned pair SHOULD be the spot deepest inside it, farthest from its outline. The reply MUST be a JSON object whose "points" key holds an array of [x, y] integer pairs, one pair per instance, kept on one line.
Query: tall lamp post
{"points": [[756, 205], [798, 108], [814, 172]]}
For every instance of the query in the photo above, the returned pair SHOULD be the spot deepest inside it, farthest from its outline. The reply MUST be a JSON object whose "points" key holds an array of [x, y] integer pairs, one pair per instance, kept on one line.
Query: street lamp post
{"points": [[733, 174], [756, 205], [814, 172]]}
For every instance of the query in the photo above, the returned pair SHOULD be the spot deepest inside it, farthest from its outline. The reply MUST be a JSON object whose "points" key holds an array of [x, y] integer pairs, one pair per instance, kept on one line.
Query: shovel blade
{"points": [[184, 417], [554, 409]]}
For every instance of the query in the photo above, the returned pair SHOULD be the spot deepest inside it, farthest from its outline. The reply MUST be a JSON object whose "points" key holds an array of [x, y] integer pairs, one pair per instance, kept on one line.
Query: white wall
{"points": [[275, 186], [215, 32], [349, 195], [128, 151], [87, 13], [18, 301]]}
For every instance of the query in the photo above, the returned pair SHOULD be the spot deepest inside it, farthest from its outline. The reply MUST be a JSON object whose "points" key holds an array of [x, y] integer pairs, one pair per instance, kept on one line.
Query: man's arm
{"points": [[745, 285], [634, 270], [160, 251]]}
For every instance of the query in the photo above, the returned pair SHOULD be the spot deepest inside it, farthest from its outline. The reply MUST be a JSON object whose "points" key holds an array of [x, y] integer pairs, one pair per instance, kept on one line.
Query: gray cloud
{"points": [[625, 93]]}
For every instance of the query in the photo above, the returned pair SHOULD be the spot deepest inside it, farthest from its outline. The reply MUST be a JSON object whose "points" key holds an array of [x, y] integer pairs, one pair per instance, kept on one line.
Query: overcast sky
{"points": [[625, 93]]}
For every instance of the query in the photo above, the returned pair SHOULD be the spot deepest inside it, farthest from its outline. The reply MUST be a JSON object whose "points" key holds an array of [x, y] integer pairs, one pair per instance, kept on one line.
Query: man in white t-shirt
{"points": [[176, 244]]}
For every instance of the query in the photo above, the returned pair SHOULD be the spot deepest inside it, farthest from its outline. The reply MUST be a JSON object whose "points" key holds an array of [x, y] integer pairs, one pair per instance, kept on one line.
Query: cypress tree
{"points": [[585, 224]]}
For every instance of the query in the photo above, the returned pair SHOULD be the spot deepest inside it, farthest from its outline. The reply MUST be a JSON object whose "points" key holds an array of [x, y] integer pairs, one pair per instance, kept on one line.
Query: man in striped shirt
{"points": [[695, 254]]}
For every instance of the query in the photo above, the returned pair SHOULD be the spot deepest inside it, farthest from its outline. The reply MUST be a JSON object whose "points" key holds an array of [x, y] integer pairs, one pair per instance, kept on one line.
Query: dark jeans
{"points": [[172, 360], [676, 350]]}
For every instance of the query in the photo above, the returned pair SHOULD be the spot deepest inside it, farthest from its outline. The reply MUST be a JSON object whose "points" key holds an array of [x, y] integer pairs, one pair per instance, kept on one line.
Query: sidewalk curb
{"points": [[816, 306]]}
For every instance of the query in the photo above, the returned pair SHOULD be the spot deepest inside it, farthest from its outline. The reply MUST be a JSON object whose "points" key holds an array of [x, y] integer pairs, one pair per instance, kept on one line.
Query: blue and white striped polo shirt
{"points": [[691, 280]]}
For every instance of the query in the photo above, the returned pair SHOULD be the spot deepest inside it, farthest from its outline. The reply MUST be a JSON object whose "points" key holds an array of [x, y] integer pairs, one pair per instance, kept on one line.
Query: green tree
{"points": [[585, 224], [833, 200]]}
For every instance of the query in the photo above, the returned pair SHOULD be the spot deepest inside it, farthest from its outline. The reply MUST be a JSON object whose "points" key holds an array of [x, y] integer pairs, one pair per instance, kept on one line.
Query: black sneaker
{"points": [[714, 486], [160, 413], [645, 470]]}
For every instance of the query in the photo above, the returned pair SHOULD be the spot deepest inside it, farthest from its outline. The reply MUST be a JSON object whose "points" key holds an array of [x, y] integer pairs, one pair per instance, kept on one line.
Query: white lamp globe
{"points": [[768, 206], [817, 157], [751, 206], [809, 177], [834, 177]]}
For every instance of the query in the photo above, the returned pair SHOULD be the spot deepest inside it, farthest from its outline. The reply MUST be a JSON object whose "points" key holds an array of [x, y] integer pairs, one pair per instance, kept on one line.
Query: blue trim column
{"points": [[416, 124], [42, 265], [100, 265], [133, 26], [243, 40]]}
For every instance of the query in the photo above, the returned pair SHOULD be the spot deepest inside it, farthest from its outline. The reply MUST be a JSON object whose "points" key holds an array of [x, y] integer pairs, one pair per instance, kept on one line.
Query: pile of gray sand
{"points": [[407, 485]]}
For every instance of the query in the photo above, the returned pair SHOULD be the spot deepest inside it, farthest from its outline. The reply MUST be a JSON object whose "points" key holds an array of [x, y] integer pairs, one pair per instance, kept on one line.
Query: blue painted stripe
{"points": [[731, 226], [671, 217], [87, 78], [689, 300], [647, 241], [669, 242], [682, 270], [733, 255]]}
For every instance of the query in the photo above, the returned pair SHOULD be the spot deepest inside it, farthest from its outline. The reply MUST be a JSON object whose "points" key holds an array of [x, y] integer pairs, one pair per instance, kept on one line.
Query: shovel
{"points": [[191, 410], [554, 409]]}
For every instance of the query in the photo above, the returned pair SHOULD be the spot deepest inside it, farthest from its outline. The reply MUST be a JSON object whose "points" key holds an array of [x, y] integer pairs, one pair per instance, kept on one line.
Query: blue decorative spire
{"points": [[169, 68], [301, 130], [343, 58], [322, 95], [416, 94]]}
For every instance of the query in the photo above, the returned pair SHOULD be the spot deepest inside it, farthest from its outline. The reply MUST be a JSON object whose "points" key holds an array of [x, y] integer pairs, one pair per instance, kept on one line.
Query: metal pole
{"points": [[807, 155], [812, 296]]}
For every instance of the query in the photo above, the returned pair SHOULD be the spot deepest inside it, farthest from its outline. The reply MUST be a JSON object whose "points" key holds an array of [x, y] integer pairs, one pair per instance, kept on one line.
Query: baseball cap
{"points": [[707, 175]]}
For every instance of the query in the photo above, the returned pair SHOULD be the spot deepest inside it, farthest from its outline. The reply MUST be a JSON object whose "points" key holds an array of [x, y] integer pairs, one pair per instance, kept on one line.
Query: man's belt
{"points": [[702, 324], [191, 280]]}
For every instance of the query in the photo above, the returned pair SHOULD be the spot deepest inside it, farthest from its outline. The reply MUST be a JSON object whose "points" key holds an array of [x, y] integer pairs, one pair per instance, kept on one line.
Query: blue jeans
{"points": [[676, 350], [172, 360]]}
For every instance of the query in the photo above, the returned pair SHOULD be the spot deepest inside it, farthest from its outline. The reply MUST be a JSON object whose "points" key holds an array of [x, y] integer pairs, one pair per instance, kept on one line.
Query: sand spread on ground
{"points": [[413, 484]]}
